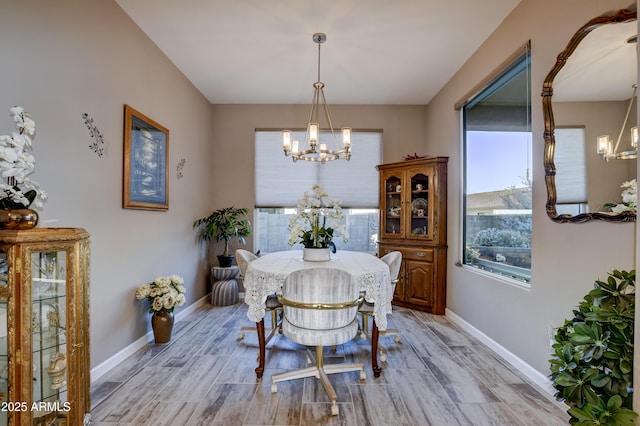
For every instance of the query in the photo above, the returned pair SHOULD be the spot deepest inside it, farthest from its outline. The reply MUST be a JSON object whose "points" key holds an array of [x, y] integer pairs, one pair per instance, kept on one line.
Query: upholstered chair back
{"points": [[243, 257], [322, 286], [393, 259]]}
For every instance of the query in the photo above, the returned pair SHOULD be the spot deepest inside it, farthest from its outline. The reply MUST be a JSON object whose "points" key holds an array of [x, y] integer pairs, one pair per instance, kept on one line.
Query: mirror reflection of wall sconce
{"points": [[604, 144]]}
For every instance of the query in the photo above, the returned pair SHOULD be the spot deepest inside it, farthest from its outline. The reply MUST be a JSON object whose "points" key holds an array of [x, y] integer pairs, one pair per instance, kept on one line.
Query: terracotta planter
{"points": [[162, 325]]}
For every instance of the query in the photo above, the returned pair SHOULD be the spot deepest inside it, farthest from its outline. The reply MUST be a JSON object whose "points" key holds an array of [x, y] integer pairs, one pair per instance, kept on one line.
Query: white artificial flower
{"points": [[620, 208], [315, 212], [16, 163], [8, 155], [168, 301], [180, 300], [164, 293], [157, 304], [176, 279]]}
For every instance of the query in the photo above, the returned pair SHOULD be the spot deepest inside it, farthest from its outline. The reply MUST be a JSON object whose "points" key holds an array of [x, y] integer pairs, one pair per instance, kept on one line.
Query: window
{"points": [[570, 158], [497, 167], [280, 182]]}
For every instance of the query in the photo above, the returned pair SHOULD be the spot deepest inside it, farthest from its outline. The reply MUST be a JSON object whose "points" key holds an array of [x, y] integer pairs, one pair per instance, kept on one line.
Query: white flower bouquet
{"points": [[18, 191], [316, 221], [629, 198], [164, 293]]}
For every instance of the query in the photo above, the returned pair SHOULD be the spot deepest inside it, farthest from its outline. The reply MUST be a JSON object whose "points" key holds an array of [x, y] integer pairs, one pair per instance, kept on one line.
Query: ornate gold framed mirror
{"points": [[595, 80]]}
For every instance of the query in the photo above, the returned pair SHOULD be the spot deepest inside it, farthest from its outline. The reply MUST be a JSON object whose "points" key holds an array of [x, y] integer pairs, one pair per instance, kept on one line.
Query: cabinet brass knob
{"points": [[421, 254]]}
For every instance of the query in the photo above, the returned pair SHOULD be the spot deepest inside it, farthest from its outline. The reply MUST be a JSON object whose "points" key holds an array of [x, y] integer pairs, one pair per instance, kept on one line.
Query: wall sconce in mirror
{"points": [[607, 151], [584, 99]]}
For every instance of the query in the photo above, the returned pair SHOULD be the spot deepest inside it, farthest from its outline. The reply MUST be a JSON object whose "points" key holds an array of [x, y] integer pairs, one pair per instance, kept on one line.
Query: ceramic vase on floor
{"points": [[162, 325]]}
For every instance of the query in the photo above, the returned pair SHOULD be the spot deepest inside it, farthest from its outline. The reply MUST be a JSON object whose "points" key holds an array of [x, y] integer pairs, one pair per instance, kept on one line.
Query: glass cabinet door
{"points": [[419, 210], [4, 344], [392, 223], [44, 325], [48, 331]]}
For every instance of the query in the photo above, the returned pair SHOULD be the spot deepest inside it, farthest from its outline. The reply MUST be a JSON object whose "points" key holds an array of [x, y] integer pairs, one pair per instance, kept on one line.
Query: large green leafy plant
{"points": [[592, 362], [224, 225]]}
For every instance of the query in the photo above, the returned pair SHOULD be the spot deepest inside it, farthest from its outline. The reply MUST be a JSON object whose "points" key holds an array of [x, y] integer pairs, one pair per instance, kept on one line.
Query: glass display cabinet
{"points": [[44, 327], [413, 220]]}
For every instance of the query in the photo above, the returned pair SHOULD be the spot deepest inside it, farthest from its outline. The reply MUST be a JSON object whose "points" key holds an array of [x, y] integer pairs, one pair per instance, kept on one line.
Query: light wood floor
{"points": [[204, 376]]}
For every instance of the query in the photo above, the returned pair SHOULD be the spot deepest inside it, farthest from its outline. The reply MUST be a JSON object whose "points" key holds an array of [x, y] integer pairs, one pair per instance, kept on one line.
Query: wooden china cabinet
{"points": [[44, 327], [413, 220]]}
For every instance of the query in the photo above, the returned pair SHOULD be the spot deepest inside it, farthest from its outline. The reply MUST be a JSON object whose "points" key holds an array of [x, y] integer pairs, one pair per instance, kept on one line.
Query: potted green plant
{"points": [[592, 363], [224, 225]]}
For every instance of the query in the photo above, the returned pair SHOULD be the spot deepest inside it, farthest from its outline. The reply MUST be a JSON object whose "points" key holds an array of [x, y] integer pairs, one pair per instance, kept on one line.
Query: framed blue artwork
{"points": [[146, 154]]}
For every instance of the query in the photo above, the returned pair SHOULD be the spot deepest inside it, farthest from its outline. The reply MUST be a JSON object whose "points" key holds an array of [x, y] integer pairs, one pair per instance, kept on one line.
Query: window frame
{"points": [[522, 55]]}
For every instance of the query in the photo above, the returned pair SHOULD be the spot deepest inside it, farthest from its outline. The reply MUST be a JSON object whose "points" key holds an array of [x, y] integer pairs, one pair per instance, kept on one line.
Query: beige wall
{"points": [[73, 57], [566, 258], [233, 136], [65, 58]]}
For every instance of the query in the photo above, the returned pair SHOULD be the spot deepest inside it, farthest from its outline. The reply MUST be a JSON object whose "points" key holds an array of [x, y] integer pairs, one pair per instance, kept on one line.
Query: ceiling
{"points": [[603, 66], [377, 52]]}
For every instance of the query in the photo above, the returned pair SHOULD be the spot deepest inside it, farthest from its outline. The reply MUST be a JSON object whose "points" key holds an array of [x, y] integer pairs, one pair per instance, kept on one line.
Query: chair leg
{"points": [[364, 334], [345, 368], [322, 375], [276, 327], [295, 374], [321, 372], [327, 386], [319, 357]]}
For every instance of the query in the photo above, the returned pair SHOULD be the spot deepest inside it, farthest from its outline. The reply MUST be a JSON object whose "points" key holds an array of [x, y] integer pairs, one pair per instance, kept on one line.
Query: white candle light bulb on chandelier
{"points": [[604, 145]]}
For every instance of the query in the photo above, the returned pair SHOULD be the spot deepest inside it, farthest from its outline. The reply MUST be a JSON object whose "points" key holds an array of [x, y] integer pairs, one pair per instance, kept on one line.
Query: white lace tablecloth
{"points": [[265, 276]]}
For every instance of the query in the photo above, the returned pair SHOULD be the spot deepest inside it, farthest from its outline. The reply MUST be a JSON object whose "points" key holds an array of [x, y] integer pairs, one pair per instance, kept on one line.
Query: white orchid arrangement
{"points": [[316, 220], [16, 164], [164, 293], [629, 198]]}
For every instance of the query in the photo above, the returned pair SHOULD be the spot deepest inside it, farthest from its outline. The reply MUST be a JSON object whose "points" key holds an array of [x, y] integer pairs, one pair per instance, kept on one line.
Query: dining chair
{"points": [[320, 309], [243, 258], [393, 260]]}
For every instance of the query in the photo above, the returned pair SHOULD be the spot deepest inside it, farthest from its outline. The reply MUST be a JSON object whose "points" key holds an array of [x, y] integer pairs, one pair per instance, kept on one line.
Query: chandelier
{"points": [[311, 149], [607, 151]]}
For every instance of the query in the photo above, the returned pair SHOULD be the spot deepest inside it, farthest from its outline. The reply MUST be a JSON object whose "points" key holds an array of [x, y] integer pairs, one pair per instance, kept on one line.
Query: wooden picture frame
{"points": [[146, 155]]}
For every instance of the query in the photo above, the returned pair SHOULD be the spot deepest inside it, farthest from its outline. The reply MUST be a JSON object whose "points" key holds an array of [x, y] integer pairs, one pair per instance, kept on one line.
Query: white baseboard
{"points": [[531, 373], [104, 367]]}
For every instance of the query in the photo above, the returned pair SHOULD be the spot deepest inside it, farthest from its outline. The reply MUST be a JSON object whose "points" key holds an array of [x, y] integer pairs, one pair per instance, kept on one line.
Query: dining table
{"points": [[266, 275]]}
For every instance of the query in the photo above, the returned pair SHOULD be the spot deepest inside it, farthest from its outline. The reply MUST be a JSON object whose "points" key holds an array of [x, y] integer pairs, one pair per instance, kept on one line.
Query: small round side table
{"points": [[224, 290]]}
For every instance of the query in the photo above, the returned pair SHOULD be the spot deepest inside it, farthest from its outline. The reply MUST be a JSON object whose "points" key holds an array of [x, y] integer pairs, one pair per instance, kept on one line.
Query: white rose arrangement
{"points": [[164, 293]]}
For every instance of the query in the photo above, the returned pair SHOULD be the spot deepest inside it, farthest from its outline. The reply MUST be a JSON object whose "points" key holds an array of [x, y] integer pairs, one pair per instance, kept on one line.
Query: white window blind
{"points": [[280, 182], [571, 165]]}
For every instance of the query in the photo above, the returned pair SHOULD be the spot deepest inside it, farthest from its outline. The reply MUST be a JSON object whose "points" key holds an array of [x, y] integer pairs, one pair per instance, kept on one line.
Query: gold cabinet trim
{"points": [[18, 247]]}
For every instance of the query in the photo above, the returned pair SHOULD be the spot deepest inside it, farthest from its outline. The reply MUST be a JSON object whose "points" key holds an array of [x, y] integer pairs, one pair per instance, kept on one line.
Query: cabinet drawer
{"points": [[425, 254]]}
